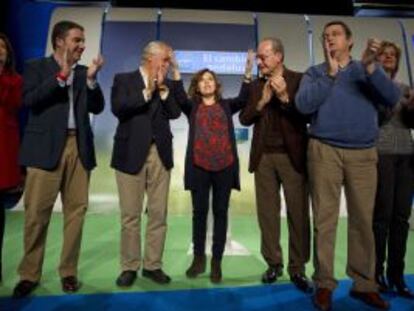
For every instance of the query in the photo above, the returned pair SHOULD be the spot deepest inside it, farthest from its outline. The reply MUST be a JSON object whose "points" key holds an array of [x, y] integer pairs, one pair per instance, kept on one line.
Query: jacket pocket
{"points": [[34, 129], [121, 135]]}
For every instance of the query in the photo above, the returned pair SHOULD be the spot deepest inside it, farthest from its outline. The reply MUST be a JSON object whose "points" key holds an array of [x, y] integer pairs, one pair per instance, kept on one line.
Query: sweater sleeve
{"points": [[383, 87], [313, 90]]}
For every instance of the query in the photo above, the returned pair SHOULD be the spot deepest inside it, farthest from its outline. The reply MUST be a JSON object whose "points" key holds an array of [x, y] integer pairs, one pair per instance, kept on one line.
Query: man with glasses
{"points": [[277, 159]]}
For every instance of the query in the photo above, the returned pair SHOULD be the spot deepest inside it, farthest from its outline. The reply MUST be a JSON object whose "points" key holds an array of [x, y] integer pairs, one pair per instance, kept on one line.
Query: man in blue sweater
{"points": [[342, 96]]}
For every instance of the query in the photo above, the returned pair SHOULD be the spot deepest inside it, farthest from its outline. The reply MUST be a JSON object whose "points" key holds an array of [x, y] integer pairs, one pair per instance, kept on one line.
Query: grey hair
{"points": [[153, 48], [277, 45]]}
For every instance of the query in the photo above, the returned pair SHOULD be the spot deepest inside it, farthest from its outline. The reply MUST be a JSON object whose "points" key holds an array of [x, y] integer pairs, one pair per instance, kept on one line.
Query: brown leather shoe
{"points": [[371, 298], [197, 267], [323, 299]]}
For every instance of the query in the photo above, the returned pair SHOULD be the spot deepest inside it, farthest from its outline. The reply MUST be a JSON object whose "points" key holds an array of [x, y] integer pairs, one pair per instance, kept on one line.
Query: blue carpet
{"points": [[281, 297]]}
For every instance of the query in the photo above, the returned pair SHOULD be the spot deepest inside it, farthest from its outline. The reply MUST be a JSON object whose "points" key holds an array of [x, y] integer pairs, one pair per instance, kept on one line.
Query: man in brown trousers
{"points": [[343, 95], [58, 151], [277, 159]]}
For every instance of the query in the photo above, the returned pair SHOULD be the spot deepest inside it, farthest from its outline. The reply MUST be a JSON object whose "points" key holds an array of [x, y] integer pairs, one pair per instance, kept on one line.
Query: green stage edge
{"points": [[99, 262]]}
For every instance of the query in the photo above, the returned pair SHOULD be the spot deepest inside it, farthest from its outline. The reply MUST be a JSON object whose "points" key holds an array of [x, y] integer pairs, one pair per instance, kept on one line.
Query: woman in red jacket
{"points": [[10, 100]]}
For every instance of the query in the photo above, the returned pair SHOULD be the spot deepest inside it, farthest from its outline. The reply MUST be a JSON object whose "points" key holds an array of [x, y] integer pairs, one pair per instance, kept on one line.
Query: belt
{"points": [[71, 132]]}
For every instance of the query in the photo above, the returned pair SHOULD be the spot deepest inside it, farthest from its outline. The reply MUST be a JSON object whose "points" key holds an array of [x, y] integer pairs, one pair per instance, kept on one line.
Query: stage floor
{"points": [[99, 266]]}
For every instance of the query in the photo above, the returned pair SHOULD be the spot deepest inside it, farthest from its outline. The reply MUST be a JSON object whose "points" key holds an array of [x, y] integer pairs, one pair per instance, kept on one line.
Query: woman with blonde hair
{"points": [[395, 180]]}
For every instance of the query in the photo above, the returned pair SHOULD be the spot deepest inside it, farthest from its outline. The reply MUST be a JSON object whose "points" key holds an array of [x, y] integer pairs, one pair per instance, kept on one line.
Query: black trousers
{"points": [[220, 183], [392, 212]]}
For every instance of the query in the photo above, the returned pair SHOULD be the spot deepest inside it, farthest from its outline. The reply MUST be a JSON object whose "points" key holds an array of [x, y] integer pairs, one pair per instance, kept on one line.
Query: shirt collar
{"points": [[144, 75]]}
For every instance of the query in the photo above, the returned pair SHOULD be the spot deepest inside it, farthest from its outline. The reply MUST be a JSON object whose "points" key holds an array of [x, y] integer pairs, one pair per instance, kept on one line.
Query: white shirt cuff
{"points": [[92, 84], [164, 93]]}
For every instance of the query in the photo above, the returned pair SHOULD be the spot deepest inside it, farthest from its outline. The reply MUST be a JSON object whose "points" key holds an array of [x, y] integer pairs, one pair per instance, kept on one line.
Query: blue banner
{"points": [[227, 63]]}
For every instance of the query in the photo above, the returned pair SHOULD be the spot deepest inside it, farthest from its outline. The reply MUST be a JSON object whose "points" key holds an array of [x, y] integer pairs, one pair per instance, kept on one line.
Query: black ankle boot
{"points": [[197, 267], [215, 274], [401, 288], [382, 283]]}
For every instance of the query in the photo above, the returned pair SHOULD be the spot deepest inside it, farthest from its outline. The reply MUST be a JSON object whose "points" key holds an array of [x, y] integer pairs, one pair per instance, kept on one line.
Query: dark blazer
{"points": [[141, 123], [45, 134], [292, 123], [230, 107]]}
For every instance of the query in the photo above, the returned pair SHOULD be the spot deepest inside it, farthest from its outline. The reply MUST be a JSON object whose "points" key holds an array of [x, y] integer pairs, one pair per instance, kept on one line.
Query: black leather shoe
{"points": [[157, 276], [301, 282], [382, 283], [70, 284], [404, 292], [401, 288], [272, 273], [126, 278], [24, 288]]}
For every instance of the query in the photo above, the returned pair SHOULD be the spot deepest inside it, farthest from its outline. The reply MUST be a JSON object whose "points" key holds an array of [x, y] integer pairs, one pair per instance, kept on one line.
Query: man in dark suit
{"points": [[277, 158], [143, 101], [58, 151]]}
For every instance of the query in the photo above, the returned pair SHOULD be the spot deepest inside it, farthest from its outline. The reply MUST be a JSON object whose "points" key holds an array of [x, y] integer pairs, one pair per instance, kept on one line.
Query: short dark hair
{"points": [[194, 92], [345, 27], [10, 62], [60, 30]]}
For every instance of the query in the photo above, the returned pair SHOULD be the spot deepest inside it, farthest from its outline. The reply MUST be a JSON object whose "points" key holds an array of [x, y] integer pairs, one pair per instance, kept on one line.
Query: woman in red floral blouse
{"points": [[10, 100], [211, 160]]}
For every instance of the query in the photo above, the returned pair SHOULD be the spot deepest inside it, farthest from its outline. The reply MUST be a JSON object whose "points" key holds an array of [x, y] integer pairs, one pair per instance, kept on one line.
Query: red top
{"points": [[212, 149], [10, 101]]}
